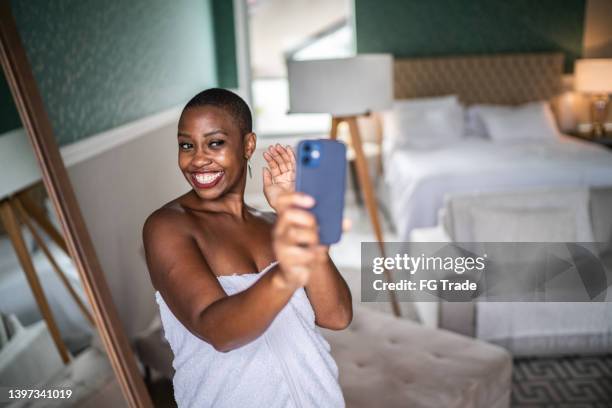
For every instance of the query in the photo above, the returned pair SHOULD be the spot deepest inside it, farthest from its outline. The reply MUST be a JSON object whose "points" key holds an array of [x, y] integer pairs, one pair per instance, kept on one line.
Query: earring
{"points": [[249, 166]]}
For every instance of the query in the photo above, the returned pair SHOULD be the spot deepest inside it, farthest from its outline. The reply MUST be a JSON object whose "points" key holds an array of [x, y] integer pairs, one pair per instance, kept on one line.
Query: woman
{"points": [[242, 337]]}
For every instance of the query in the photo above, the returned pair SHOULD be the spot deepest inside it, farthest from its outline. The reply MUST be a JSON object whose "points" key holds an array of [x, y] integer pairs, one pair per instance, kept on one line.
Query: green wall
{"points": [[100, 64], [419, 28], [225, 43], [9, 118]]}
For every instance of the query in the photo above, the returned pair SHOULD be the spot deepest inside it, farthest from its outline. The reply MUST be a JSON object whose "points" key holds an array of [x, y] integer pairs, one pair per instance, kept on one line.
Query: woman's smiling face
{"points": [[212, 151]]}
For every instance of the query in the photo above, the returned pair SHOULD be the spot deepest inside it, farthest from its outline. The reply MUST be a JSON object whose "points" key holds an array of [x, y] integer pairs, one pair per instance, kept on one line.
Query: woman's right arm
{"points": [[184, 279]]}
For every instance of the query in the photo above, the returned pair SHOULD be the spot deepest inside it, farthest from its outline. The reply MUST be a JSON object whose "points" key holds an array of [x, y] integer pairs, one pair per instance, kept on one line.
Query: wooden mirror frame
{"points": [[38, 127]]}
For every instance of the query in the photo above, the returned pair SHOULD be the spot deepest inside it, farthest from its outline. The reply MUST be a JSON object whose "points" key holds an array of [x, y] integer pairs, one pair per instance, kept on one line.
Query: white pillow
{"points": [[531, 121], [423, 123], [474, 126]]}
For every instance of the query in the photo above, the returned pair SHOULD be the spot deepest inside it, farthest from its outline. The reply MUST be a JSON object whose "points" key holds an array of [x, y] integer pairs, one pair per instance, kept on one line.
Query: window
{"points": [[298, 29]]}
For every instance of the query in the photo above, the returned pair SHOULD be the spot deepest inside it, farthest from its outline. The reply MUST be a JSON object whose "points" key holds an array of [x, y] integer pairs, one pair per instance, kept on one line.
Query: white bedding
{"points": [[418, 180]]}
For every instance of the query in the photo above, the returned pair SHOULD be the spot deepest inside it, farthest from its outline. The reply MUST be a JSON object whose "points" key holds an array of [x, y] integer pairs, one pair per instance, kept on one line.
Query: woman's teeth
{"points": [[206, 178]]}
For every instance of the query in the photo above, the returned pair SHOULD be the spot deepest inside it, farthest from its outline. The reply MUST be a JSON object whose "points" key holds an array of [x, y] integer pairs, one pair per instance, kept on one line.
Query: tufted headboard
{"points": [[506, 79]]}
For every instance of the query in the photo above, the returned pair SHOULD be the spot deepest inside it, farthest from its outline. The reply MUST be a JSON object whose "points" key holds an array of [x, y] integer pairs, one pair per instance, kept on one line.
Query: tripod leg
{"points": [[14, 231], [38, 215], [25, 219], [370, 199]]}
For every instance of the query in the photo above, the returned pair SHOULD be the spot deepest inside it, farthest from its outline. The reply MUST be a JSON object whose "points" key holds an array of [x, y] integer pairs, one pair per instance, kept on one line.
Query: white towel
{"points": [[290, 365]]}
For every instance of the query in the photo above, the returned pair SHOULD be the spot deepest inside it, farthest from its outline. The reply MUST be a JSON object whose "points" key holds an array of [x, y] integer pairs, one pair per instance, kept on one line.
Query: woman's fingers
{"points": [[275, 161], [301, 236], [278, 158], [274, 168], [281, 159], [292, 156], [267, 176], [297, 226], [279, 152], [294, 199], [296, 219], [304, 255], [299, 217], [286, 156]]}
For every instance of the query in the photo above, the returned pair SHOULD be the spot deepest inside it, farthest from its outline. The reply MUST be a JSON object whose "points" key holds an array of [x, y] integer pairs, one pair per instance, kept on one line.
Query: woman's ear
{"points": [[250, 143]]}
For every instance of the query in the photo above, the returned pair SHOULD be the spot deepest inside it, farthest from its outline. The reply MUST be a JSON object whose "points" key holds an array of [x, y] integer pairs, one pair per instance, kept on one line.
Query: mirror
{"points": [[60, 331], [89, 147]]}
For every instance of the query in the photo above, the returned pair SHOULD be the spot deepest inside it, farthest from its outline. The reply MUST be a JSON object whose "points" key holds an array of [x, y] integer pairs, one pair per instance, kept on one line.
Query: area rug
{"points": [[575, 382]]}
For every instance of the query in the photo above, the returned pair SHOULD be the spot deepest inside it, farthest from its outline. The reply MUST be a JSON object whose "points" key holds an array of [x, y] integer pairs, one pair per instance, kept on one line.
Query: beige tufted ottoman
{"points": [[389, 362]]}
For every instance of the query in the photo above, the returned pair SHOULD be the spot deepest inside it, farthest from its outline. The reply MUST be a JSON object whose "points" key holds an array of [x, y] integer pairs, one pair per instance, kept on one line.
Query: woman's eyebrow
{"points": [[214, 132], [211, 133]]}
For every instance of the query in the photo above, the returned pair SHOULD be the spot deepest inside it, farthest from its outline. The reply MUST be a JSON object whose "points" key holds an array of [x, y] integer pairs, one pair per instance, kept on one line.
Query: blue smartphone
{"points": [[321, 173]]}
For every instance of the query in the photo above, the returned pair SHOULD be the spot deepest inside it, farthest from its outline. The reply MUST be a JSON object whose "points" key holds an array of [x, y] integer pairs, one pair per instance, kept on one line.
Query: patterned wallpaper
{"points": [[417, 28], [100, 64]]}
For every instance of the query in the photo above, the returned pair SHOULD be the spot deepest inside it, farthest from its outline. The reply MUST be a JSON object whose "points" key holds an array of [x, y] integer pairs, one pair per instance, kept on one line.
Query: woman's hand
{"points": [[279, 176], [296, 240]]}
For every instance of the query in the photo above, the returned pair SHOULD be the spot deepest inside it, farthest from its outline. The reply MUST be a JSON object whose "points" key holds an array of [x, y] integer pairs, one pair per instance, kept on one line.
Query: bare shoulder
{"points": [[169, 217], [167, 235]]}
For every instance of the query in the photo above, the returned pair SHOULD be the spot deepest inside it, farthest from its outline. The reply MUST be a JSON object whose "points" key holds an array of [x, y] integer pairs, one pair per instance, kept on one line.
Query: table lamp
{"points": [[593, 76], [346, 88]]}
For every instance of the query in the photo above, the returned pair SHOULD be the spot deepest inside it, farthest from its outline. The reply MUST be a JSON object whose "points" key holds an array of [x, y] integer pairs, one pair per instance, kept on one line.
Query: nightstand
{"points": [[604, 141]]}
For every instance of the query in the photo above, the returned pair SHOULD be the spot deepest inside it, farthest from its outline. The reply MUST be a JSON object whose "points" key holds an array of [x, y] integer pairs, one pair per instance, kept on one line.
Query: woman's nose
{"points": [[200, 159]]}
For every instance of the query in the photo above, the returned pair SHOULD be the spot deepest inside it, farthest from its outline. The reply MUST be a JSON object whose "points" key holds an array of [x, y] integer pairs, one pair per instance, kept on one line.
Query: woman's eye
{"points": [[216, 143], [185, 145]]}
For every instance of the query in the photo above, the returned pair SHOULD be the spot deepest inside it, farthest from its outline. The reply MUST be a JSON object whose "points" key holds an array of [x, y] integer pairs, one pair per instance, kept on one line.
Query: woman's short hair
{"points": [[228, 101]]}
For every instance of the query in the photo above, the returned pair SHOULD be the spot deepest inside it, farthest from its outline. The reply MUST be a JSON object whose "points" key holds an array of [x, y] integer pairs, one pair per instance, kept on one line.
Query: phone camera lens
{"points": [[307, 147], [306, 160]]}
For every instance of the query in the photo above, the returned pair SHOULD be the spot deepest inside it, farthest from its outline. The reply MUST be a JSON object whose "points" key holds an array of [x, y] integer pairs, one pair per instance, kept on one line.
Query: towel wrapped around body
{"points": [[289, 365]]}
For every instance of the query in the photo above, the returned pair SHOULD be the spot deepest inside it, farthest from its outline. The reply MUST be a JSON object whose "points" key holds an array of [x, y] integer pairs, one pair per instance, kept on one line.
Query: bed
{"points": [[418, 180]]}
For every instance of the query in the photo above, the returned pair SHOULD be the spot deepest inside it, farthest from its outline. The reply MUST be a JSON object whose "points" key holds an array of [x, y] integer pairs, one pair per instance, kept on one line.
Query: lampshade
{"points": [[341, 87], [593, 75]]}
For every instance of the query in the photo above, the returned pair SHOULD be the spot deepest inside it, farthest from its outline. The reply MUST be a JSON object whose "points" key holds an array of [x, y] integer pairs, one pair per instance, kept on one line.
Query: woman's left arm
{"points": [[329, 294]]}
